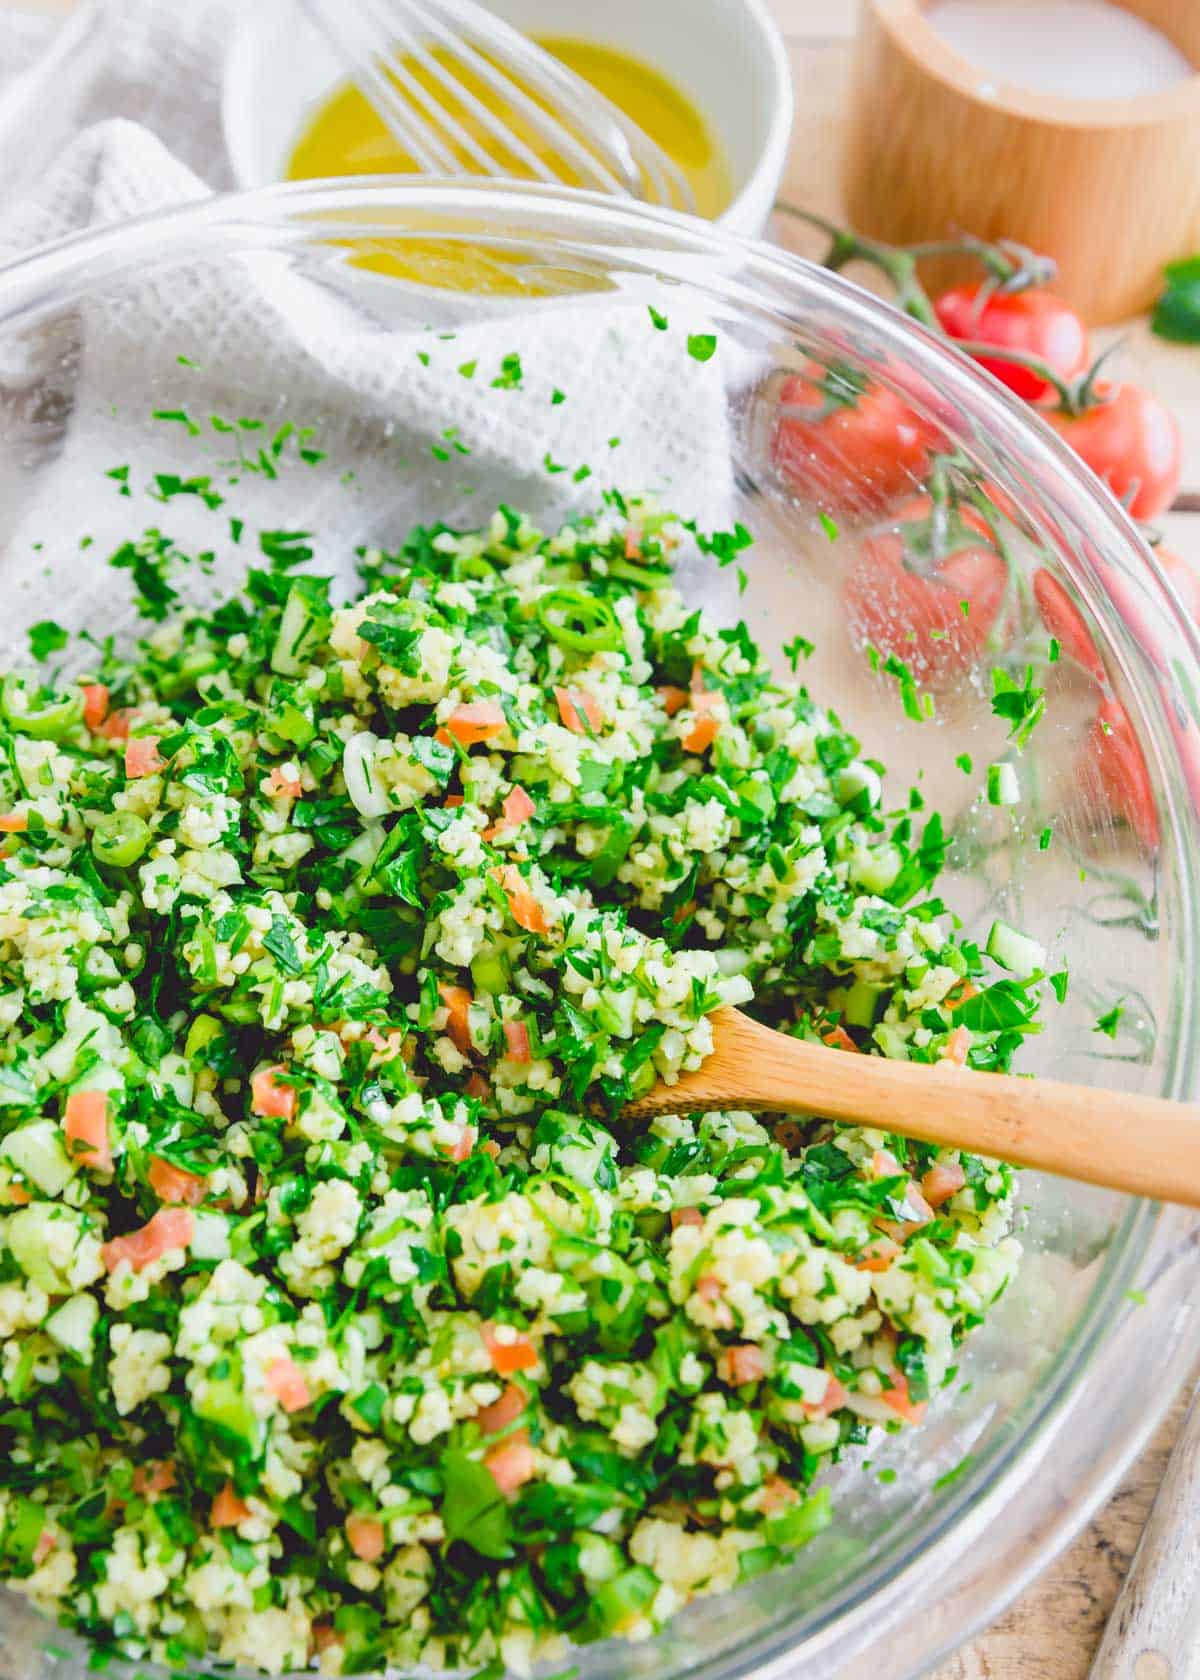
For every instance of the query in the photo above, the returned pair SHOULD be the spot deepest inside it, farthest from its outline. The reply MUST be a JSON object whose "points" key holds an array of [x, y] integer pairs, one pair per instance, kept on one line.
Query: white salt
{"points": [[1083, 49]]}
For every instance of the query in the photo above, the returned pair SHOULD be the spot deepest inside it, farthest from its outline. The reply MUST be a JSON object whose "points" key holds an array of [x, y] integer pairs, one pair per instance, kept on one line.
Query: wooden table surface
{"points": [[1052, 1631]]}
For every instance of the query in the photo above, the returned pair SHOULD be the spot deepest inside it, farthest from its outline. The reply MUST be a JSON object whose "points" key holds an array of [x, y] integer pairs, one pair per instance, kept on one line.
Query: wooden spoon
{"points": [[1145, 1145]]}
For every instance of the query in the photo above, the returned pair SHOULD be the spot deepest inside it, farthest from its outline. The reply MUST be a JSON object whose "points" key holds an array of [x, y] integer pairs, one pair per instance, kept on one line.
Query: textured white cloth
{"points": [[128, 121]]}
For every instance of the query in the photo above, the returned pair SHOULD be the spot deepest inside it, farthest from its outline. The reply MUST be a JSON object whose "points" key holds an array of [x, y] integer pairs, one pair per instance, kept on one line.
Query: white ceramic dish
{"points": [[726, 55]]}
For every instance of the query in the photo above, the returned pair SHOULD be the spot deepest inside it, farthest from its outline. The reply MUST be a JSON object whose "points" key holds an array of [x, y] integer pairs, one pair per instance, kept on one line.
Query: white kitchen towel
{"points": [[131, 90]]}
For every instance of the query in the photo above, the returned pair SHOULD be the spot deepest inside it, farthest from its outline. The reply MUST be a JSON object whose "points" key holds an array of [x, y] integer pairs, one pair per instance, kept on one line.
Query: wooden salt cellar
{"points": [[1109, 187]]}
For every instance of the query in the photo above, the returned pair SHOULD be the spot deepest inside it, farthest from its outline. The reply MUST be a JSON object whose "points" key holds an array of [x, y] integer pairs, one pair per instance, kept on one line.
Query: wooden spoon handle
{"points": [[1147, 1146], [1154, 1630]]}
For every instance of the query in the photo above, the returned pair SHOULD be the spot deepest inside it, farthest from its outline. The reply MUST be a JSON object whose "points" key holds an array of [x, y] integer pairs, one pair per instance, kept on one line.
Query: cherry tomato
{"points": [[1131, 441], [1113, 762], [914, 608], [1065, 623], [1184, 575], [852, 448], [1034, 321]]}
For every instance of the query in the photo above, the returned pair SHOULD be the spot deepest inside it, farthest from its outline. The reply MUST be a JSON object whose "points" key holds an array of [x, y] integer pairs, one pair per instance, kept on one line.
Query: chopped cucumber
{"points": [[305, 620], [1015, 951], [201, 1032], [858, 785], [223, 1403], [39, 1151], [29, 1233], [615, 1010], [73, 1325], [877, 869], [859, 1004]]}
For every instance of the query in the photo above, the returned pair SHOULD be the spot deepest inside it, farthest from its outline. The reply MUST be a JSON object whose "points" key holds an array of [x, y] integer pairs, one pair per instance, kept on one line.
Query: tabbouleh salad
{"points": [[341, 1315]]}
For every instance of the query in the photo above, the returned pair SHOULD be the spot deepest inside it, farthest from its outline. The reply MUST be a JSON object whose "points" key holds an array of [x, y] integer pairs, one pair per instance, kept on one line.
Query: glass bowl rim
{"points": [[295, 215]]}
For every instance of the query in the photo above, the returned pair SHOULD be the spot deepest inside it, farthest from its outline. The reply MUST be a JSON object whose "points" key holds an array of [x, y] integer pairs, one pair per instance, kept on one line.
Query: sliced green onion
{"points": [[584, 623], [120, 838], [44, 715], [1002, 785]]}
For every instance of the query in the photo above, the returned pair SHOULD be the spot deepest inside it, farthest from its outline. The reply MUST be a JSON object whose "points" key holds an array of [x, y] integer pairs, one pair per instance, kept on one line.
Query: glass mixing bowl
{"points": [[183, 314]]}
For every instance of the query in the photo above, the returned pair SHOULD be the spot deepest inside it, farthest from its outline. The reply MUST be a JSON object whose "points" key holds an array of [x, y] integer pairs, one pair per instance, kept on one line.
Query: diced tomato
{"points": [[898, 1398], [116, 725], [702, 734], [85, 1124], [322, 1635], [885, 1165], [788, 1134], [386, 1046], [512, 1463], [16, 1195], [366, 1538], [228, 1509], [478, 1087], [516, 1038], [453, 800], [711, 1289], [835, 1396], [13, 822], [175, 1185], [633, 542], [835, 1036], [958, 1047], [522, 906], [159, 1476], [574, 707], [283, 786], [457, 1000], [686, 1216], [746, 1364], [286, 1381], [271, 1096], [673, 699], [478, 721], [46, 1543], [462, 1145], [141, 756], [490, 1147], [169, 1228], [95, 705], [518, 1354], [960, 994], [492, 1419], [943, 1180], [776, 1495], [517, 809], [902, 1229], [878, 1255]]}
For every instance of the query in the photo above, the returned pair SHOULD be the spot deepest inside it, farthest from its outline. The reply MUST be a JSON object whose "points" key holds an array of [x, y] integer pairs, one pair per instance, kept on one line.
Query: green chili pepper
{"points": [[44, 715], [584, 623], [120, 838]]}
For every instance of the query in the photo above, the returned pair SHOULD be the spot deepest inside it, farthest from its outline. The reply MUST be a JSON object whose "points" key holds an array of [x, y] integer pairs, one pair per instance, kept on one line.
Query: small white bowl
{"points": [[726, 55]]}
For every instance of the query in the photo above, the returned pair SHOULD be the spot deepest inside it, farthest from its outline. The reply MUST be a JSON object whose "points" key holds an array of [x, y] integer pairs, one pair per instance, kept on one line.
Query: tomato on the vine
{"points": [[1184, 576], [847, 443], [934, 610], [1065, 623], [1131, 441], [1113, 759], [1033, 321]]}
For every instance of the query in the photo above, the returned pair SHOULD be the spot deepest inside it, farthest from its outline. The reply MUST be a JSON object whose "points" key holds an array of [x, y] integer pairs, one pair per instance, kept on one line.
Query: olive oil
{"points": [[346, 137]]}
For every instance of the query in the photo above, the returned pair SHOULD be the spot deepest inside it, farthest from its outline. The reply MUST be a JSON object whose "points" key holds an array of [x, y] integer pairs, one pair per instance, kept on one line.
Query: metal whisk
{"points": [[460, 47]]}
